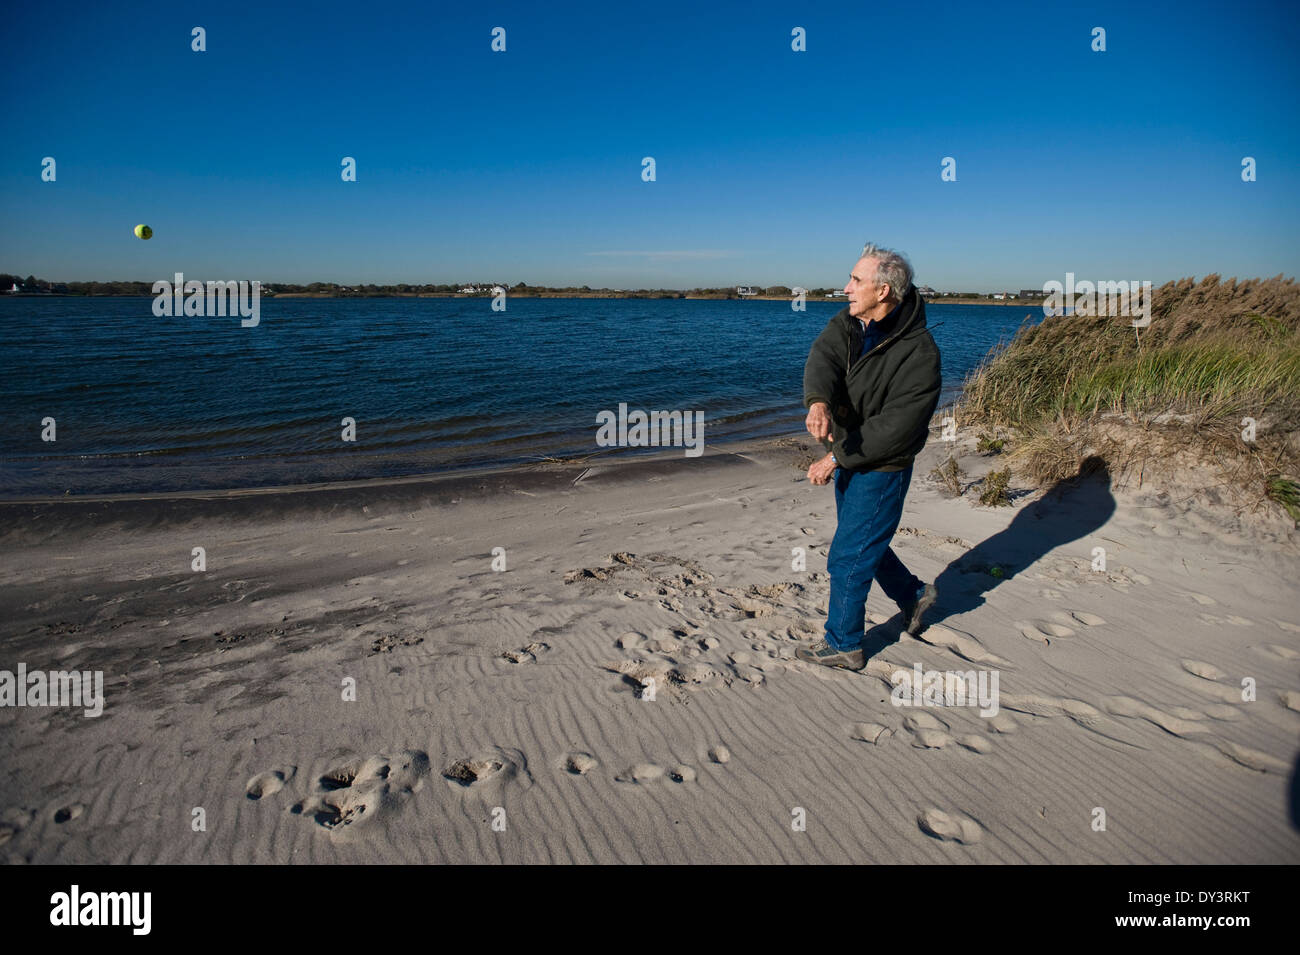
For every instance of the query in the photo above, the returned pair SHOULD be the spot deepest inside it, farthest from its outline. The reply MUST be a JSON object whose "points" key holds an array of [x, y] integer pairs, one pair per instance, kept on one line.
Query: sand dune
{"points": [[626, 691]]}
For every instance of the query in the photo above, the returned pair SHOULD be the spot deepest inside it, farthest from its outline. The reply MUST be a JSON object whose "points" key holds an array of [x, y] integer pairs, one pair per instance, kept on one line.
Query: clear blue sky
{"points": [[773, 166]]}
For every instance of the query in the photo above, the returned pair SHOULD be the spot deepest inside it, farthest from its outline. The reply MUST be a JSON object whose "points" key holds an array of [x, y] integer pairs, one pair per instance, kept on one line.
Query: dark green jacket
{"points": [[881, 405]]}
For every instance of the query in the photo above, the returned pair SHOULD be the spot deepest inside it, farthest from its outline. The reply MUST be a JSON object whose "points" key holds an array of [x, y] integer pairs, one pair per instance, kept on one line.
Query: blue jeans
{"points": [[868, 507]]}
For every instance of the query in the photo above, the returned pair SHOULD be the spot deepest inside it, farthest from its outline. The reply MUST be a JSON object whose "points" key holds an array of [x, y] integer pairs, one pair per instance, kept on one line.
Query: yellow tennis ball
{"points": [[142, 231]]}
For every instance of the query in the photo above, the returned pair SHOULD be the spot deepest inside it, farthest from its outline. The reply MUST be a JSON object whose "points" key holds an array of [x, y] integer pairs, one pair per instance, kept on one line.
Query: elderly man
{"points": [[871, 385]]}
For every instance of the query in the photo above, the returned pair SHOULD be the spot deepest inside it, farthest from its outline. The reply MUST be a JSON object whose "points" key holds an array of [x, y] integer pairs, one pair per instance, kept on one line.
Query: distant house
{"points": [[468, 290], [745, 290], [925, 290], [840, 294], [1032, 293], [13, 291], [999, 295]]}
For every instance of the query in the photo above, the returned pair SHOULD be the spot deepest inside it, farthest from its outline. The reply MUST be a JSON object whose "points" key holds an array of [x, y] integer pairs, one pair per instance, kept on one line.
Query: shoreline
{"points": [[649, 296], [436, 486]]}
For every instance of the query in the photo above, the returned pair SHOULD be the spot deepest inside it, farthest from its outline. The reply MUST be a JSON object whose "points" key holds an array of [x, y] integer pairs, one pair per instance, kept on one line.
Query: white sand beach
{"points": [[502, 716]]}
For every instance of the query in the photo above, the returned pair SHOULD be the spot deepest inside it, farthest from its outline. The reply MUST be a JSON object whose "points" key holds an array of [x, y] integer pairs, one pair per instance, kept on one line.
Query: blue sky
{"points": [[773, 167]]}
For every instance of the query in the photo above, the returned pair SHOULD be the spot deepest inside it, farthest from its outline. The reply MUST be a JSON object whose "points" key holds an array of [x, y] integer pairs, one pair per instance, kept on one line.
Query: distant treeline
{"points": [[34, 286]]}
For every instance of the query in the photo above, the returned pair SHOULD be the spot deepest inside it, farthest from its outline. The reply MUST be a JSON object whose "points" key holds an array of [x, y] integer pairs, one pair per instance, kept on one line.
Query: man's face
{"points": [[866, 298]]}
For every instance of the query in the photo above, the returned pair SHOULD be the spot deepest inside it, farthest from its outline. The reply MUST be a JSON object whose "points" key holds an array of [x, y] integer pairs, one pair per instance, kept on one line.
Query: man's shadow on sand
{"points": [[1071, 509]]}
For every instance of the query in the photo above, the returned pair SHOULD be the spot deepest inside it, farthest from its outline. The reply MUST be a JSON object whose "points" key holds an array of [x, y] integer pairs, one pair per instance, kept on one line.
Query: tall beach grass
{"points": [[1179, 390]]}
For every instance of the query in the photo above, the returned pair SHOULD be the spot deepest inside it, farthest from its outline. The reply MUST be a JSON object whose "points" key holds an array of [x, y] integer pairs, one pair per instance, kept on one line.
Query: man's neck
{"points": [[877, 315]]}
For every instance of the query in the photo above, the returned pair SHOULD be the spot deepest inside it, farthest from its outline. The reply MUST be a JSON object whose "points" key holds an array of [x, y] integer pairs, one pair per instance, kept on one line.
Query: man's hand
{"points": [[818, 421], [822, 470]]}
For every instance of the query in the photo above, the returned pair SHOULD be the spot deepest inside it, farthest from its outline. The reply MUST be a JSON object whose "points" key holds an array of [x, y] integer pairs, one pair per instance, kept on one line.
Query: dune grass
{"points": [[1215, 353]]}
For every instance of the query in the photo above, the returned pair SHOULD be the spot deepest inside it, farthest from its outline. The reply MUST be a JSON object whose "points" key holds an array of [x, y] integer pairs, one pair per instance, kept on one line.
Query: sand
{"points": [[508, 715]]}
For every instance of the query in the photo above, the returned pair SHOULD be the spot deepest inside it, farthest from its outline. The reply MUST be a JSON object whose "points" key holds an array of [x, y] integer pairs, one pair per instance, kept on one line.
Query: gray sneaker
{"points": [[823, 653], [915, 611]]}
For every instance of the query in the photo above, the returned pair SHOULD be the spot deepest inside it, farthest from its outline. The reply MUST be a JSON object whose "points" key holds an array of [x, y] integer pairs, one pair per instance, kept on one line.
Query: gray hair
{"points": [[891, 269]]}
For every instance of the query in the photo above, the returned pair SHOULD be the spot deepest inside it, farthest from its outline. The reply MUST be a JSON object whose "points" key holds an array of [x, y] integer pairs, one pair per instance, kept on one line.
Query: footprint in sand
{"points": [[797, 632], [950, 828], [1042, 630], [13, 821], [387, 642], [1205, 671], [1276, 650], [976, 743], [579, 764], [632, 640], [1003, 723], [682, 774], [1188, 724], [664, 640], [355, 792], [1225, 694], [1250, 758], [1083, 617], [640, 773], [1033, 633], [68, 813], [870, 733], [266, 784], [928, 731], [1201, 599], [467, 772], [480, 770], [1084, 714], [960, 643], [528, 654], [1182, 726]]}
